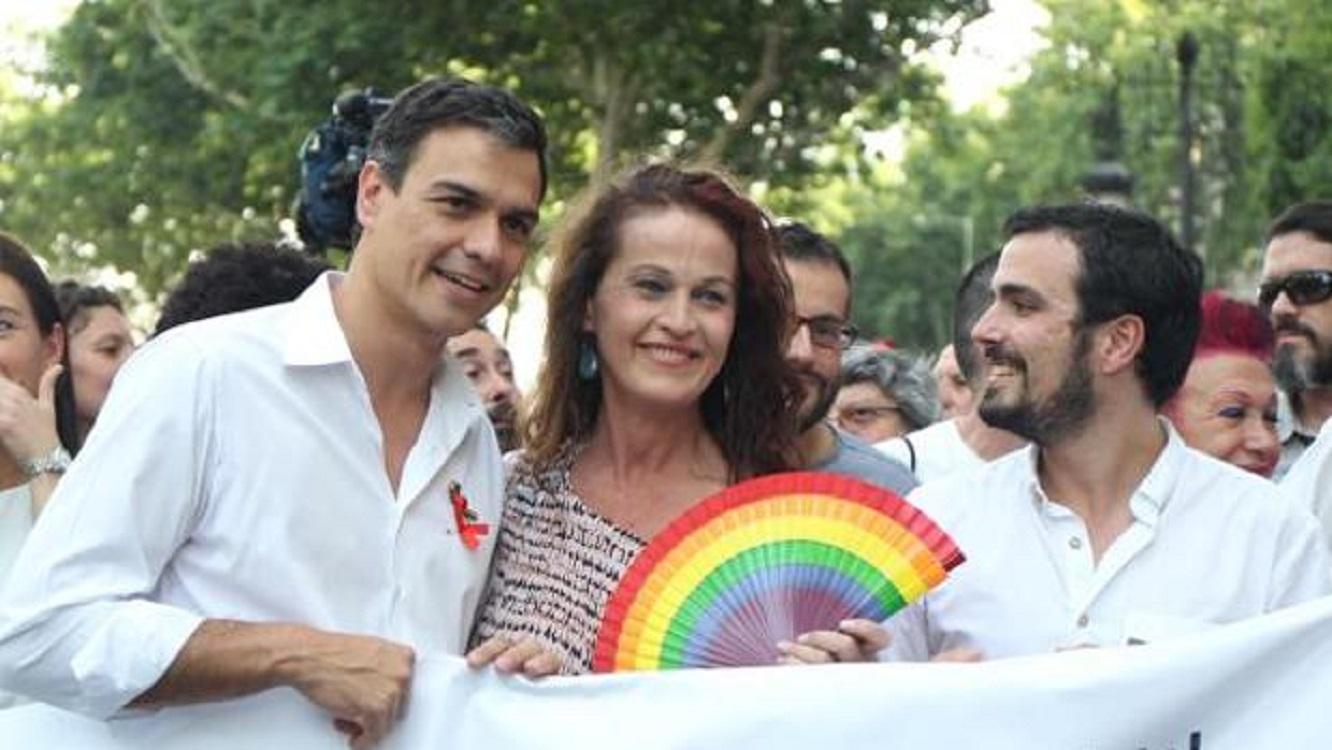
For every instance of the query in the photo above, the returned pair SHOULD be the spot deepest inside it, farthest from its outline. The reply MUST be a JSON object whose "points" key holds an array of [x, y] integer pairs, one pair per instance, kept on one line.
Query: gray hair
{"points": [[903, 377]]}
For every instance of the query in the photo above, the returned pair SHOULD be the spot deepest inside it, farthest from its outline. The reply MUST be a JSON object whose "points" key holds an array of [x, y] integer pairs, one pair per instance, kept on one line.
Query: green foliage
{"points": [[1263, 141], [176, 123]]}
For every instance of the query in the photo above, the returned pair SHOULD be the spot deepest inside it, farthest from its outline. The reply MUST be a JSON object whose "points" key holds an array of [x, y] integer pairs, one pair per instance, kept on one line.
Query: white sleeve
{"points": [[1302, 570], [1309, 482], [77, 627]]}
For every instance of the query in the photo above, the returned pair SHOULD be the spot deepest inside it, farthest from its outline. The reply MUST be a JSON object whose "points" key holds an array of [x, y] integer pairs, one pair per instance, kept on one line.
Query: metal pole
{"points": [[1186, 52]]}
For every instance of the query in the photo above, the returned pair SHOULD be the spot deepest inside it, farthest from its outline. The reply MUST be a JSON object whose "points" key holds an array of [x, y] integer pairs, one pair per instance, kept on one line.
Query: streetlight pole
{"points": [[1186, 52]]}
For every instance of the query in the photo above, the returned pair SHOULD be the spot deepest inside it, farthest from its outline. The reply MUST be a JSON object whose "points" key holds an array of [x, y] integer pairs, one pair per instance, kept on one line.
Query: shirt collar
{"points": [[1288, 422], [1149, 498], [314, 336]]}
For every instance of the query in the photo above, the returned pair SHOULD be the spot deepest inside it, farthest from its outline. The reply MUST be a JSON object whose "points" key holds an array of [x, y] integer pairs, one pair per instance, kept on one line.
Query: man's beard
{"points": [[1063, 414], [1297, 371], [825, 393], [504, 418]]}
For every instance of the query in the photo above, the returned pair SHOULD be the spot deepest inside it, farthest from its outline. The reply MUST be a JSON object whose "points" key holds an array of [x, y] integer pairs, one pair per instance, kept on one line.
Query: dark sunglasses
{"points": [[1302, 287]]}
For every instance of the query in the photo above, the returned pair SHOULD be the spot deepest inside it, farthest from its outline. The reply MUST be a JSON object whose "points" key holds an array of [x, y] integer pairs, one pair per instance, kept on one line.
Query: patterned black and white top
{"points": [[556, 564]]}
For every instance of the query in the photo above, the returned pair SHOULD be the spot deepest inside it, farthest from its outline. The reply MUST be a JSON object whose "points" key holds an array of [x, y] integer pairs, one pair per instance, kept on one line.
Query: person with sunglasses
{"points": [[821, 284], [1296, 292]]}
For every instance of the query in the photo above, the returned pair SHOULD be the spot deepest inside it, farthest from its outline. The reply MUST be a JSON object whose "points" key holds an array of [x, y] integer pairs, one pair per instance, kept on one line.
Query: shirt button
{"points": [[1082, 621], [1075, 542]]}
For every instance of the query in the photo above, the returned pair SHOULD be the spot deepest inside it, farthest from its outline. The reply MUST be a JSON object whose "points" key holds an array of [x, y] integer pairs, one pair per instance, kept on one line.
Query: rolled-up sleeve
{"points": [[78, 628]]}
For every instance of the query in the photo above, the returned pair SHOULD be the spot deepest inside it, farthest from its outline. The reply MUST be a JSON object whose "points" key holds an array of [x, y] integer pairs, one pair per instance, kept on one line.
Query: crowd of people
{"points": [[336, 470]]}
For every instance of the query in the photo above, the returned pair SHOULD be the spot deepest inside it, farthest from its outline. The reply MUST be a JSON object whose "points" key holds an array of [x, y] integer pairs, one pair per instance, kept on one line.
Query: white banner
{"points": [[1265, 683]]}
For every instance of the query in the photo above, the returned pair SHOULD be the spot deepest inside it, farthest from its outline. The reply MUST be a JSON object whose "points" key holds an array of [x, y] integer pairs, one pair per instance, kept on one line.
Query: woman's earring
{"points": [[588, 366]]}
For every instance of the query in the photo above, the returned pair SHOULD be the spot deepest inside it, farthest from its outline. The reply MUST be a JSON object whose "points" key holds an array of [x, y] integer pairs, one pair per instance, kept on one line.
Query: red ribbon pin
{"points": [[469, 526]]}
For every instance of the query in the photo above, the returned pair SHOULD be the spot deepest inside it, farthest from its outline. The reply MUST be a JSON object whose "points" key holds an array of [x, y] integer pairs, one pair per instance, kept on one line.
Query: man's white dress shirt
{"points": [[1309, 481], [237, 471], [934, 451], [1209, 543]]}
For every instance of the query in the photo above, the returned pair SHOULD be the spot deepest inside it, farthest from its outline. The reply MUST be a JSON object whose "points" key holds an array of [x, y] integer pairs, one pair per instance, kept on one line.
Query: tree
{"points": [[177, 122]]}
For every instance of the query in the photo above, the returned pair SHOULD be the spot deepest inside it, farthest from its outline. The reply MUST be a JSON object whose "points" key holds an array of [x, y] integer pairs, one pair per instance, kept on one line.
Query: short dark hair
{"points": [[235, 277], [972, 299], [452, 102], [17, 263], [1131, 265], [796, 241], [77, 299], [1314, 217]]}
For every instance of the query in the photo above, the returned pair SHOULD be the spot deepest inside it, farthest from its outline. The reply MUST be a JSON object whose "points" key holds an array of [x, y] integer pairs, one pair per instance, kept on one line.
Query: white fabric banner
{"points": [[1265, 683]]}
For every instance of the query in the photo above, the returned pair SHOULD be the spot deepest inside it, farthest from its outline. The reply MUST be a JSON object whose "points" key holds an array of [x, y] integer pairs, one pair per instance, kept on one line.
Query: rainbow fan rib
{"points": [[764, 561]]}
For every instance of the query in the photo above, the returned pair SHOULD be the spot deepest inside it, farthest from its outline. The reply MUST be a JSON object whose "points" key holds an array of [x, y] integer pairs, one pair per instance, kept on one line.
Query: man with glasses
{"points": [[821, 283], [1296, 291]]}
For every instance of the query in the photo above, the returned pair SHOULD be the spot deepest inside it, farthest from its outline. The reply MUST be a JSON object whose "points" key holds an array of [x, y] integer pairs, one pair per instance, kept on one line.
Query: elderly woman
{"points": [[885, 393], [649, 400], [1227, 405]]}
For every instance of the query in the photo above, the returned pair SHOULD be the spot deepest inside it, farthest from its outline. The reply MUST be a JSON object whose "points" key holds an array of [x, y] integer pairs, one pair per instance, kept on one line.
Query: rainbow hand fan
{"points": [[764, 561]]}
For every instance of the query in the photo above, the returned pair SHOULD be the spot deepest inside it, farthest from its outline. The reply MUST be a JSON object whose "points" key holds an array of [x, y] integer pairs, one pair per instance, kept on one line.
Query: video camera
{"points": [[331, 157]]}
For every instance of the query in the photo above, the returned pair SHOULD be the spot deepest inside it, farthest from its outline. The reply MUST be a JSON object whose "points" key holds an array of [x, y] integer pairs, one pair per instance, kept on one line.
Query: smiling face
{"points": [[25, 354], [664, 311], [821, 294], [442, 249], [1227, 409], [1303, 357], [97, 349], [1036, 374]]}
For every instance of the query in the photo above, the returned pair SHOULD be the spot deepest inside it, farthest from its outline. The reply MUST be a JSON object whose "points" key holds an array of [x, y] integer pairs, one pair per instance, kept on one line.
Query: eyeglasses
{"points": [[826, 332], [1302, 287], [863, 416]]}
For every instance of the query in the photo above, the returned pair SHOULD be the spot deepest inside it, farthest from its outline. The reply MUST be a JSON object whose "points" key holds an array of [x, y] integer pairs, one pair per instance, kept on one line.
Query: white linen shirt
{"points": [[1309, 481], [237, 471], [1209, 543], [939, 451]]}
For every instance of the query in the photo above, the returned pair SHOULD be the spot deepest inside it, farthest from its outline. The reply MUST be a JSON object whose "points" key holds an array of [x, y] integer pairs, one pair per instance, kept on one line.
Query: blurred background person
{"points": [[649, 400], [884, 393], [1227, 406], [100, 341], [234, 277], [951, 385], [964, 442], [486, 362]]}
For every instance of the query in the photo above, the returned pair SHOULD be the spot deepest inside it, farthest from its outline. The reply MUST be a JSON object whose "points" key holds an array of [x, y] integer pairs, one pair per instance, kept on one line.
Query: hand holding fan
{"points": [[764, 561]]}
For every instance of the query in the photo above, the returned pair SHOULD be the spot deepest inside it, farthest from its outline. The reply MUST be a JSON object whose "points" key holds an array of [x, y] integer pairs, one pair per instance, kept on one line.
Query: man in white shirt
{"points": [[1107, 529], [964, 442], [1296, 291], [297, 495]]}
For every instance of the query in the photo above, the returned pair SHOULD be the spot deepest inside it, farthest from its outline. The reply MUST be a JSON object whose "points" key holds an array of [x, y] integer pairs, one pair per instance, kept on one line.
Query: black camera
{"points": [[331, 157]]}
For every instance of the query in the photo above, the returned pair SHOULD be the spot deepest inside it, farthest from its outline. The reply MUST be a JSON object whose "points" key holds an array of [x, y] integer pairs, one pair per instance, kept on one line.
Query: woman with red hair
{"points": [[1227, 405]]}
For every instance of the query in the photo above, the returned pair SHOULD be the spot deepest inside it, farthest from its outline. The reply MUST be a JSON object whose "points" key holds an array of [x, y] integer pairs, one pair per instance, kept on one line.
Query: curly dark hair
{"points": [[235, 277], [747, 408]]}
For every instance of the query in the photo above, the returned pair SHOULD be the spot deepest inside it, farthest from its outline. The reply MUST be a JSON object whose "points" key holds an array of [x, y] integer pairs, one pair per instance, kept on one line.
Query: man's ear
{"points": [[371, 187], [1119, 342]]}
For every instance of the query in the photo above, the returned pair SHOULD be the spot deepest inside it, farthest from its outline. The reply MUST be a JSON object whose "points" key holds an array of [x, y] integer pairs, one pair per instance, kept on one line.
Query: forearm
{"points": [[226, 659], [41, 488]]}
